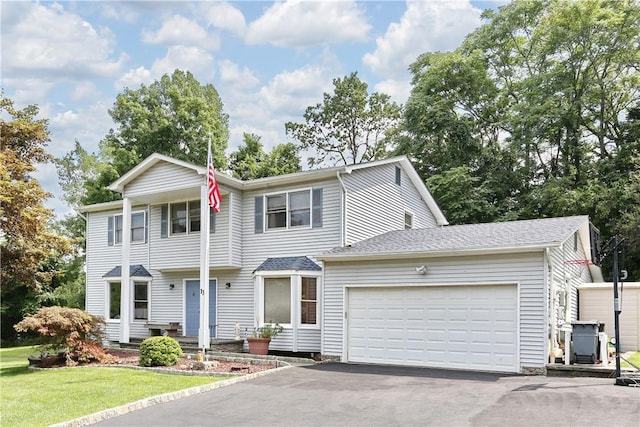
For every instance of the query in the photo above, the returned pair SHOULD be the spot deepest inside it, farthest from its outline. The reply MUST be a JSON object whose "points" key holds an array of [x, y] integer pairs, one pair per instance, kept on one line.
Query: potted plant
{"points": [[261, 337]]}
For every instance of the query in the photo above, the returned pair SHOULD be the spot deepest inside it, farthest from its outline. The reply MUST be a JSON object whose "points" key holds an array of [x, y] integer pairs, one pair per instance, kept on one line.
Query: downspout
{"points": [[552, 307], [148, 236], [343, 232]]}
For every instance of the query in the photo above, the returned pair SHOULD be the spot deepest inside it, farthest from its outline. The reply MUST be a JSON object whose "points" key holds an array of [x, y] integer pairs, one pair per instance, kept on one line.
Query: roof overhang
{"points": [[429, 254]]}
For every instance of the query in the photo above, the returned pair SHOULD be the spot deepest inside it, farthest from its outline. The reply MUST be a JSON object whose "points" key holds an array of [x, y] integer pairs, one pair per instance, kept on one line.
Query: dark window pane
{"points": [[194, 216], [308, 313], [178, 218], [114, 300]]}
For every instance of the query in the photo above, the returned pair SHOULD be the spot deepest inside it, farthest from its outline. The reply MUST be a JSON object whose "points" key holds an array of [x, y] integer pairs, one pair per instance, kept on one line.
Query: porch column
{"points": [[204, 339], [125, 280]]}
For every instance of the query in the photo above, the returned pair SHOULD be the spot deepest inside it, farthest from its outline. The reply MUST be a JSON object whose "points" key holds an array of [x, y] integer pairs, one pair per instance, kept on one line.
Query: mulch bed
{"points": [[186, 365]]}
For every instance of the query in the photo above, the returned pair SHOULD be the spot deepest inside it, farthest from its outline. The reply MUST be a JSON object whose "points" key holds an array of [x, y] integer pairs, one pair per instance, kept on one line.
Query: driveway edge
{"points": [[161, 398]]}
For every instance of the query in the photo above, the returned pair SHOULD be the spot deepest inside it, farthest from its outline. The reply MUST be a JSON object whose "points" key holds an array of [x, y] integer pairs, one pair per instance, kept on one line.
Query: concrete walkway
{"points": [[365, 395]]}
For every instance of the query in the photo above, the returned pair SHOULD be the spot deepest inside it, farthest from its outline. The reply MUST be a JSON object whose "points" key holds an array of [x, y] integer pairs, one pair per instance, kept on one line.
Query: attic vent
{"points": [[398, 175]]}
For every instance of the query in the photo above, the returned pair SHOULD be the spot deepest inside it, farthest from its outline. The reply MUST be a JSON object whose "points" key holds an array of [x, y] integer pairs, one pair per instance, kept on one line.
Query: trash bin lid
{"points": [[585, 322]]}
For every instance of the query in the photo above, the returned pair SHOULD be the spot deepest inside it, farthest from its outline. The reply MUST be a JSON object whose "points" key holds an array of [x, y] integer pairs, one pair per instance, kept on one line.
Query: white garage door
{"points": [[464, 327]]}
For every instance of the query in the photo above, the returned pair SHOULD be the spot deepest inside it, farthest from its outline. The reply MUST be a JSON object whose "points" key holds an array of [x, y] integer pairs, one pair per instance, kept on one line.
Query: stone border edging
{"points": [[161, 398]]}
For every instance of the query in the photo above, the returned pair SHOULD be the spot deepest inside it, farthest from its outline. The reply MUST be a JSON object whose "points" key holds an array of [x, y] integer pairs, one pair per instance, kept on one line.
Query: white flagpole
{"points": [[204, 338]]}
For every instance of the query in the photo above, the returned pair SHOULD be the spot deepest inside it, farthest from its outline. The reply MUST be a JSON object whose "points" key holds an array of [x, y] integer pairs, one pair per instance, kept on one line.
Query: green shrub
{"points": [[160, 351]]}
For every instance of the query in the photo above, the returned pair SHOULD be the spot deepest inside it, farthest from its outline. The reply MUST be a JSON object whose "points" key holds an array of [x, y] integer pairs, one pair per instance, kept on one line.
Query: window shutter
{"points": [[259, 214], [212, 221], [110, 230], [317, 207], [398, 175], [164, 221], [146, 226]]}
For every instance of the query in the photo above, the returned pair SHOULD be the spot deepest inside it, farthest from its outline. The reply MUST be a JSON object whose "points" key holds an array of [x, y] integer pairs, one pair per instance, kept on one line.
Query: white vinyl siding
{"points": [[167, 176], [527, 270], [596, 303], [102, 258], [376, 204]]}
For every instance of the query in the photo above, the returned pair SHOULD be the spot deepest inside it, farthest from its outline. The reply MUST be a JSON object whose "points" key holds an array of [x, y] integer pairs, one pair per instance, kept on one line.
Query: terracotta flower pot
{"points": [[259, 345]]}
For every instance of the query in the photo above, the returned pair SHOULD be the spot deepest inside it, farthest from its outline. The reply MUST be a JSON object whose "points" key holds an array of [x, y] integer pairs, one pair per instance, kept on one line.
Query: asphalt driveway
{"points": [[365, 395]]}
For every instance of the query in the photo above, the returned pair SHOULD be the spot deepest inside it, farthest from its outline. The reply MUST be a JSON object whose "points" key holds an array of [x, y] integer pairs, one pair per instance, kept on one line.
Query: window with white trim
{"points": [[408, 220], [113, 300], [288, 210], [141, 300], [309, 301], [138, 227], [288, 298], [185, 217], [138, 233]]}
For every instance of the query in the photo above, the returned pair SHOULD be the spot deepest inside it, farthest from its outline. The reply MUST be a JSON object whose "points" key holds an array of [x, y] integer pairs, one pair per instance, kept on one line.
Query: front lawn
{"points": [[633, 358], [40, 398]]}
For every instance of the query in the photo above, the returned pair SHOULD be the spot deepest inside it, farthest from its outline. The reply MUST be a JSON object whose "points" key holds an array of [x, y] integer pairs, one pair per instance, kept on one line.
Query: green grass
{"points": [[633, 358], [40, 398]]}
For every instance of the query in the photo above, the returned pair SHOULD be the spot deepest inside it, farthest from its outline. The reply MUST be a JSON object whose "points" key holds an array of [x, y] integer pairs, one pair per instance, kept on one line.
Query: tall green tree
{"points": [[175, 116], [529, 113], [28, 243], [349, 126], [250, 161]]}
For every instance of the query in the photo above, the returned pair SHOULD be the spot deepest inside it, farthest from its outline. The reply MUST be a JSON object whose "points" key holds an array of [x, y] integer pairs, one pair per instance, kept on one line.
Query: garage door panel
{"points": [[469, 327]]}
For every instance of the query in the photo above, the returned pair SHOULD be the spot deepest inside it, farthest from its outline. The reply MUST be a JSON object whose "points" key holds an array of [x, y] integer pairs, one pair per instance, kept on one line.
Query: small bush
{"points": [[160, 351]]}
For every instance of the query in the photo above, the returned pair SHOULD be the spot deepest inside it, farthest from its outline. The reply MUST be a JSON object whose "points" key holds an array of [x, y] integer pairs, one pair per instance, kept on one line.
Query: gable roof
{"points": [[498, 237], [119, 184]]}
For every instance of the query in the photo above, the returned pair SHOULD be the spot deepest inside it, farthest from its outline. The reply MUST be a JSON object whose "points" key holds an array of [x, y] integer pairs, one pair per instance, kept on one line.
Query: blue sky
{"points": [[268, 60]]}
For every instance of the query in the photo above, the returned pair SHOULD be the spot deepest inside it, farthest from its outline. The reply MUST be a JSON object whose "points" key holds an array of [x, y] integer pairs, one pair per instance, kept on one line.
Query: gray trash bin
{"points": [[585, 341]]}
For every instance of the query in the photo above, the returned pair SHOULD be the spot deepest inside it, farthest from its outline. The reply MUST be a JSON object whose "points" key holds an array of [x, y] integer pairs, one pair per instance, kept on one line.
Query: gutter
{"points": [[346, 257]]}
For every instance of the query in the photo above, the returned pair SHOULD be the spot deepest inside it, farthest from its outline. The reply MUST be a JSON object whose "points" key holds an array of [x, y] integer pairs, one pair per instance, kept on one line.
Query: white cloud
{"points": [[398, 90], [54, 45], [224, 16], [196, 60], [179, 30], [426, 26], [296, 23], [232, 75], [292, 92], [84, 90]]}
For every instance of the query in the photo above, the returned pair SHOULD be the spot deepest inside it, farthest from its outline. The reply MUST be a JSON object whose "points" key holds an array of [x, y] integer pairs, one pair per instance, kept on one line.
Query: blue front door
{"points": [[192, 306]]}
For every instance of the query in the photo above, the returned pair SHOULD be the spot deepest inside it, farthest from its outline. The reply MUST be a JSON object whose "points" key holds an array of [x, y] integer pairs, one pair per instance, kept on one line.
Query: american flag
{"points": [[214, 191]]}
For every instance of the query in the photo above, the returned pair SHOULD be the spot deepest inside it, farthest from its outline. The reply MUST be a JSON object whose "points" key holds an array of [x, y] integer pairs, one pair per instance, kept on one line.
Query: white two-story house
{"points": [[355, 262], [262, 251]]}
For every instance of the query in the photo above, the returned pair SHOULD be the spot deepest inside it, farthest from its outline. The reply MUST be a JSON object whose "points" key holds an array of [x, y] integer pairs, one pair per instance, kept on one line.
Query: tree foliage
{"points": [[533, 115], [250, 161], [175, 116], [28, 243], [349, 126]]}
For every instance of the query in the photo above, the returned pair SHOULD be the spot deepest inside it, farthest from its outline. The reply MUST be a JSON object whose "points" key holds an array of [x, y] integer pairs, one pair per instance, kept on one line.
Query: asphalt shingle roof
{"points": [[135, 270], [488, 236], [289, 263]]}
